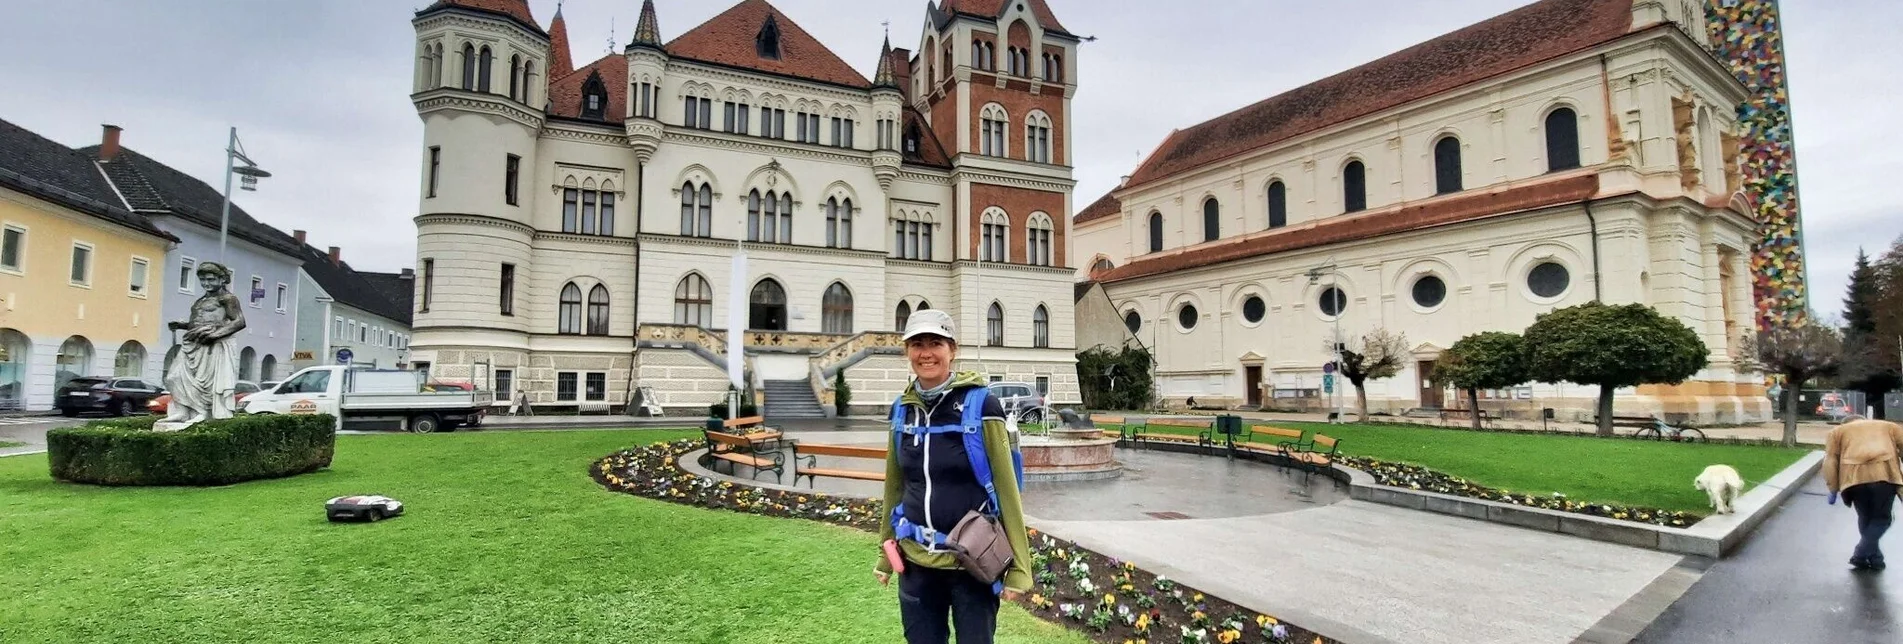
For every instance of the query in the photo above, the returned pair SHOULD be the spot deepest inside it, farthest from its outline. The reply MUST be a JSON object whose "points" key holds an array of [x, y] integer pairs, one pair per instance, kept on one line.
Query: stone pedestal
{"points": [[170, 426]]}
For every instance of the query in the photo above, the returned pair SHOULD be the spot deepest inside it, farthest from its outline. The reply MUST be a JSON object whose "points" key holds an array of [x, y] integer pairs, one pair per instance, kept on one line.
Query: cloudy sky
{"points": [[319, 90]]}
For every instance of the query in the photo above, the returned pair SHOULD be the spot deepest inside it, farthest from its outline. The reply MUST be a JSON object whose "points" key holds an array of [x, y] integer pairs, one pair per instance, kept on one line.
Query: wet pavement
{"points": [[1790, 583], [1163, 485]]}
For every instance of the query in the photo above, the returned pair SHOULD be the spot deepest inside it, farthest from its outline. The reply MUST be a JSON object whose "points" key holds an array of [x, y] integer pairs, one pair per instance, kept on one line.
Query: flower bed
{"points": [[1415, 477], [1108, 600]]}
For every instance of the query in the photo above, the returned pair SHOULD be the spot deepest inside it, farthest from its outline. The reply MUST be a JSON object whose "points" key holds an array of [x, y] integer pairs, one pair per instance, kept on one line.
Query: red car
{"points": [[163, 403]]}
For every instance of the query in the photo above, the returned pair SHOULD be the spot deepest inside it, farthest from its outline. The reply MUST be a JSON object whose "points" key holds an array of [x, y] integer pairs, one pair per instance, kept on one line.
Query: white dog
{"points": [[1722, 483]]}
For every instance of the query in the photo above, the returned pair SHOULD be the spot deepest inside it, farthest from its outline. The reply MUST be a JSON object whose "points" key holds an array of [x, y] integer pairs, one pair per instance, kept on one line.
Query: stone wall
{"points": [[684, 383]]}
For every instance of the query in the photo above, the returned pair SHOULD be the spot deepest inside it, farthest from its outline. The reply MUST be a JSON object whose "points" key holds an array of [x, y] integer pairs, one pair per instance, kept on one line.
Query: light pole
{"points": [[234, 151], [1314, 275]]}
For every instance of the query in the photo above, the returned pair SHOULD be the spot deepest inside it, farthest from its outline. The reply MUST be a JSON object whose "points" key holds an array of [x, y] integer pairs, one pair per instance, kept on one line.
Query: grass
{"points": [[1605, 470], [10, 444], [505, 539]]}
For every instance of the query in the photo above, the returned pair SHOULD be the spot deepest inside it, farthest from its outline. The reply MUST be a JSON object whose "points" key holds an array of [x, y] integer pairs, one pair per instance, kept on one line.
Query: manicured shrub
{"points": [[214, 452]]}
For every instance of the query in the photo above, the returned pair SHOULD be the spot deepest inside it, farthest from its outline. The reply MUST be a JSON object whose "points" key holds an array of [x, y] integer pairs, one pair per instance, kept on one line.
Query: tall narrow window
{"points": [[1212, 219], [994, 326], [1037, 138], [767, 42], [588, 198], [469, 66], [82, 273], [904, 313], [1156, 232], [1447, 165], [753, 215], [515, 75], [506, 297], [838, 223], [598, 310], [429, 283], [607, 226], [697, 216], [1278, 204], [836, 309], [1037, 240], [1562, 140], [282, 300], [786, 218], [484, 63], [568, 312], [13, 249], [694, 301], [571, 210], [511, 178], [135, 283], [706, 210], [1041, 328], [435, 167], [1354, 187]]}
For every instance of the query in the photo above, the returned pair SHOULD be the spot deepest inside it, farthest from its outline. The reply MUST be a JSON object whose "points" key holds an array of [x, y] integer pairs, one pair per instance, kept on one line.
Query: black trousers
{"points": [[928, 596], [1873, 502]]}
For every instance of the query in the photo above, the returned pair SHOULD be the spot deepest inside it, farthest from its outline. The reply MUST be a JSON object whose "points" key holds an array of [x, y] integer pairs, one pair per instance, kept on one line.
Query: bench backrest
{"points": [[1182, 422], [850, 451], [1107, 420], [746, 421], [1282, 432], [1322, 440], [728, 439]]}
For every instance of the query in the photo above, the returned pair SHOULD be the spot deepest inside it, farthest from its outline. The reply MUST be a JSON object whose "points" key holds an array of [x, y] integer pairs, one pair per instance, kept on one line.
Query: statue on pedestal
{"points": [[204, 376]]}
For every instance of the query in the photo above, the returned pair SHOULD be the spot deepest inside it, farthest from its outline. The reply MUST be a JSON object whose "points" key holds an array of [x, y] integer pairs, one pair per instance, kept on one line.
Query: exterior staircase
{"points": [[791, 399]]}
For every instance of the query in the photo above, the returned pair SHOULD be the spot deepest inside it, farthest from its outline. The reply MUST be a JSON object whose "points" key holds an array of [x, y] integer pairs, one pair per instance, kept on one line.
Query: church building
{"points": [[577, 223]]}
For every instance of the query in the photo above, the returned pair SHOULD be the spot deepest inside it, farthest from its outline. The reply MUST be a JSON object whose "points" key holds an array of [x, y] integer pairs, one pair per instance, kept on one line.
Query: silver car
{"points": [[1020, 397]]}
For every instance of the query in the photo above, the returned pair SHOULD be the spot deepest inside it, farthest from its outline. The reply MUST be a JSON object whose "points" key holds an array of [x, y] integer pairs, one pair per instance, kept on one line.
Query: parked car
{"points": [[163, 403], [1019, 397], [356, 395], [116, 396]]}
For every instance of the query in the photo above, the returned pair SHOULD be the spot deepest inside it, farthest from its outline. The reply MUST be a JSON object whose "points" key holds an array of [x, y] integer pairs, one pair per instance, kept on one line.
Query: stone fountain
{"points": [[1069, 453]]}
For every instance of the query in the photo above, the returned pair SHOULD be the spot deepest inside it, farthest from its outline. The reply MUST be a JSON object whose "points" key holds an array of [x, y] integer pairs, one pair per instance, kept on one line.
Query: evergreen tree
{"points": [[1873, 326]]}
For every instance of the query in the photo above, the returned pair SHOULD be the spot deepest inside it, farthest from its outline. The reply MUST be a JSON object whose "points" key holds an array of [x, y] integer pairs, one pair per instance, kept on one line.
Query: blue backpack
{"points": [[972, 426]]}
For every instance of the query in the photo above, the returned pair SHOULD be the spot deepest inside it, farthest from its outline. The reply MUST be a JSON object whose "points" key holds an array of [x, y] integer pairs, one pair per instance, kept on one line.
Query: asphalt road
{"points": [[30, 430]]}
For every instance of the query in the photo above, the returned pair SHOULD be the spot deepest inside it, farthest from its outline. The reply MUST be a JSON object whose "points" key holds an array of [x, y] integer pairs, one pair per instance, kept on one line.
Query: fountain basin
{"points": [[1051, 459]]}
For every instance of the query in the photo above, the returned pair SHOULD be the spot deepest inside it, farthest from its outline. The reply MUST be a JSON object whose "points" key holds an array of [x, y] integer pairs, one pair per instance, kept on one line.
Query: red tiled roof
{"points": [[564, 94], [1105, 206], [1461, 207], [993, 8], [929, 151], [1526, 36], [727, 39], [560, 61], [517, 9]]}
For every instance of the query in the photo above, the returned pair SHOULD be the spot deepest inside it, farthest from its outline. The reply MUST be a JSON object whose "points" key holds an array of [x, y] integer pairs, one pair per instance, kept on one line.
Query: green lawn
{"points": [[1624, 471], [9, 444], [506, 539]]}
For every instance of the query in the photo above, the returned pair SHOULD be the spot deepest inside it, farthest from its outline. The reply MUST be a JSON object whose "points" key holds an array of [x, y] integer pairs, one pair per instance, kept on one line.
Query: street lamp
{"points": [[1315, 275], [234, 152]]}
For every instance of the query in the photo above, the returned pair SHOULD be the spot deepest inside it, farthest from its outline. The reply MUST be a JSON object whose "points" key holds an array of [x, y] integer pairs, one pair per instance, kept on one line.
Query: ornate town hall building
{"points": [[577, 224]]}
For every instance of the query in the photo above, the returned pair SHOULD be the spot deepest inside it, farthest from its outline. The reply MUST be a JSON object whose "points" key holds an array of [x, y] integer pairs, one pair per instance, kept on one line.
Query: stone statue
{"points": [[205, 373]]}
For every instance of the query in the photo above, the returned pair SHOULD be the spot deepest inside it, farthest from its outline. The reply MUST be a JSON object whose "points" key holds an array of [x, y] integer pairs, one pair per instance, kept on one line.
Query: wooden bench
{"points": [[1486, 417], [1317, 454], [1101, 421], [738, 450], [1205, 432], [1635, 422], [812, 451], [754, 427], [1265, 439]]}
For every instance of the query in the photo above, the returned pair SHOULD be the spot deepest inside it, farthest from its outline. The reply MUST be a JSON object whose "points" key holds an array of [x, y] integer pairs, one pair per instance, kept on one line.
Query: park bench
{"points": [[1486, 417], [1636, 422], [1205, 431], [1264, 439], [1100, 422], [754, 427], [1317, 454], [812, 451], [738, 450]]}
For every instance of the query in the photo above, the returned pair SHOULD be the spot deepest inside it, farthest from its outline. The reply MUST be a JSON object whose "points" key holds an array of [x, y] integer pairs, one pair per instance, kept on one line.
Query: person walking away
{"points": [[933, 487], [1860, 462]]}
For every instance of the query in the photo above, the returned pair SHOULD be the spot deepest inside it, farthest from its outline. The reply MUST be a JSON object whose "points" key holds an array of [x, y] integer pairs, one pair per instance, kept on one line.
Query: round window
{"points": [[1429, 291], [1186, 316], [1253, 309], [1133, 321], [1333, 302], [1549, 279]]}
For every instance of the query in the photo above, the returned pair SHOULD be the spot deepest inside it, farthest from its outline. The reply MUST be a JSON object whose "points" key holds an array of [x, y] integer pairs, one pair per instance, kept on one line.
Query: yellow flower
{"points": [[1228, 636], [1197, 598]]}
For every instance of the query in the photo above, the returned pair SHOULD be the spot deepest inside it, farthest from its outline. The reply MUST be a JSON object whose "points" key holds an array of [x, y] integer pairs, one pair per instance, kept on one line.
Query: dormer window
{"points": [[594, 97], [911, 139], [767, 43]]}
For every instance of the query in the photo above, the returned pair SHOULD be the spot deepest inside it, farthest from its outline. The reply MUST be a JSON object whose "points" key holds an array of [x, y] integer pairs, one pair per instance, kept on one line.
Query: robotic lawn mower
{"points": [[362, 508]]}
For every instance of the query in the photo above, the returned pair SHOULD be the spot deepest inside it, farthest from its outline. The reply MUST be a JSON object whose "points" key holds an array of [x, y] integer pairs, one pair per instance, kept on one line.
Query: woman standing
{"points": [[932, 484]]}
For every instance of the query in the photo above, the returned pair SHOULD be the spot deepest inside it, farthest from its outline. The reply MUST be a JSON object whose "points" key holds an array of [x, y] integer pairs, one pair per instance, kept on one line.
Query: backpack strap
{"points": [[974, 428]]}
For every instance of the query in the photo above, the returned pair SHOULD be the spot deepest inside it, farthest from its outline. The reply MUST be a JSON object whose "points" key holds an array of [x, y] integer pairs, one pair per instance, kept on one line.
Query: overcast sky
{"points": [[319, 90]]}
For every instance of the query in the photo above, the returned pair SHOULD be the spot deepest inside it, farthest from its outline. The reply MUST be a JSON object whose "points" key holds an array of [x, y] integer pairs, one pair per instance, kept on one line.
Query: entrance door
{"points": [[1431, 397], [767, 307], [1252, 382]]}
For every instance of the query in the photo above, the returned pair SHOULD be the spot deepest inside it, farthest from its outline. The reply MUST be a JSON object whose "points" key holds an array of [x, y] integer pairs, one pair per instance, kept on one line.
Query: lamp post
{"points": [[1314, 275], [234, 152]]}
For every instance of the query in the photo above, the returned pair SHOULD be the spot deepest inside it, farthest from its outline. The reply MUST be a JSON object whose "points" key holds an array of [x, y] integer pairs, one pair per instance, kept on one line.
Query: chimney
{"points": [[299, 236], [109, 142], [336, 255], [408, 274]]}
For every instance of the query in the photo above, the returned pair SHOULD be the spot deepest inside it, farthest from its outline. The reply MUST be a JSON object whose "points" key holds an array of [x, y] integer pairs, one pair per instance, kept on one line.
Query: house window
{"points": [[363, 334], [256, 295], [283, 291], [1043, 385], [82, 268], [505, 384], [1187, 317], [597, 386], [838, 223], [185, 266], [1037, 138], [571, 210], [469, 66], [568, 310], [1447, 165], [1133, 321], [1354, 187], [483, 64], [1429, 291], [1041, 327], [904, 313], [1253, 309], [767, 42], [339, 330], [1278, 204], [994, 326], [766, 306], [1548, 280], [1212, 219], [842, 132], [588, 200], [565, 386], [136, 281], [993, 123], [13, 249], [772, 123], [1332, 302], [594, 97], [435, 167], [1156, 232], [770, 217], [694, 301], [808, 129], [994, 227], [699, 113], [429, 282], [511, 178], [515, 74], [598, 310], [507, 294], [981, 55], [697, 210], [1037, 241], [912, 238], [1562, 140], [735, 118]]}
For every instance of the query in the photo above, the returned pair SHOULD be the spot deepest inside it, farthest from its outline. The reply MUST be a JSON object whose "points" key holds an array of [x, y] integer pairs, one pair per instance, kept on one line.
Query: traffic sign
{"points": [[1328, 367], [344, 355], [1328, 383]]}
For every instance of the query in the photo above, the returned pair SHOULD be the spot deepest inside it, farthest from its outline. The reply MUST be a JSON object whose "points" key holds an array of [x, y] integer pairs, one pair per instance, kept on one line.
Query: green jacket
{"points": [[1004, 480]]}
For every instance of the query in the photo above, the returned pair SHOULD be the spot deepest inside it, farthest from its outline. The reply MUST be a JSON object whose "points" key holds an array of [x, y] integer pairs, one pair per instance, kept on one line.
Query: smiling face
{"points": [[211, 281], [931, 357]]}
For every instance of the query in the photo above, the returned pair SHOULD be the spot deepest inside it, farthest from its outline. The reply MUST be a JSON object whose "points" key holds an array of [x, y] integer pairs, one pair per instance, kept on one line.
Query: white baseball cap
{"points": [[930, 322]]}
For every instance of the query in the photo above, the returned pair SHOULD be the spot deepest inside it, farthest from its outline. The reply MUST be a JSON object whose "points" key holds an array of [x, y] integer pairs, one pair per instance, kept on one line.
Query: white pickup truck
{"points": [[358, 396]]}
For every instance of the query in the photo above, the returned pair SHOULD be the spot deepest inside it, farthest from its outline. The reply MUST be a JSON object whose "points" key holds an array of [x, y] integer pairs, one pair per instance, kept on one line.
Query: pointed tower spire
{"points": [[647, 33], [559, 62], [884, 77]]}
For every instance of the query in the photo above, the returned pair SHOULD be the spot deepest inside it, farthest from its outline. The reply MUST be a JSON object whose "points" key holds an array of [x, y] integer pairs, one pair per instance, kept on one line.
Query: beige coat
{"points": [[1863, 451]]}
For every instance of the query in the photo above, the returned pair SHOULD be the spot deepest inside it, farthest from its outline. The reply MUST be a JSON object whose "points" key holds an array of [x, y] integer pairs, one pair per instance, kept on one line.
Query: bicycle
{"points": [[1660, 431]]}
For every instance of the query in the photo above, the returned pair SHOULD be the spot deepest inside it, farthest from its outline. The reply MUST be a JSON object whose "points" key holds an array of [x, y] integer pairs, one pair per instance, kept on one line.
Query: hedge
{"points": [[213, 452]]}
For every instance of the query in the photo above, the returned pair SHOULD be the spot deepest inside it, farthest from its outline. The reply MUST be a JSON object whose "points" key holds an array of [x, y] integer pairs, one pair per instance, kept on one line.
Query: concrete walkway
{"points": [[1808, 432]]}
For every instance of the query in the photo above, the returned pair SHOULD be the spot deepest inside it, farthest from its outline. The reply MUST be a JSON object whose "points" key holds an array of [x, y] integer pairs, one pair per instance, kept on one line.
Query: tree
{"points": [[1115, 378], [842, 394], [1867, 364], [1488, 360], [1612, 347], [1799, 353], [1375, 355]]}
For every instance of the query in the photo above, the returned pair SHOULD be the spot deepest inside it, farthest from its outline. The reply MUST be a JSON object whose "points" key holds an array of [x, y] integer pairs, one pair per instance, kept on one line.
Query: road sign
{"points": [[1328, 383], [344, 355], [1328, 367]]}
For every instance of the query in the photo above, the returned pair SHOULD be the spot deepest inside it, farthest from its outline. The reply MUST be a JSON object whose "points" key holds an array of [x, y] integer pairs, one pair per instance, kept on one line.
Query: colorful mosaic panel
{"points": [[1747, 35]]}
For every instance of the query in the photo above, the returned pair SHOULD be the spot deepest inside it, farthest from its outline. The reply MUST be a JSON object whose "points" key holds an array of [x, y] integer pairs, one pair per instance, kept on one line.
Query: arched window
{"points": [[515, 76], [697, 210], [994, 326], [469, 66], [838, 223], [835, 309], [268, 369], [1447, 165], [594, 97], [484, 62], [248, 364], [528, 79], [1156, 232], [994, 227], [75, 359], [766, 306], [993, 122], [14, 362], [1037, 138], [1103, 264], [1562, 140], [904, 313], [568, 313], [1212, 219], [1037, 240], [1041, 328], [598, 310], [130, 361], [1354, 187], [1278, 204], [694, 301]]}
